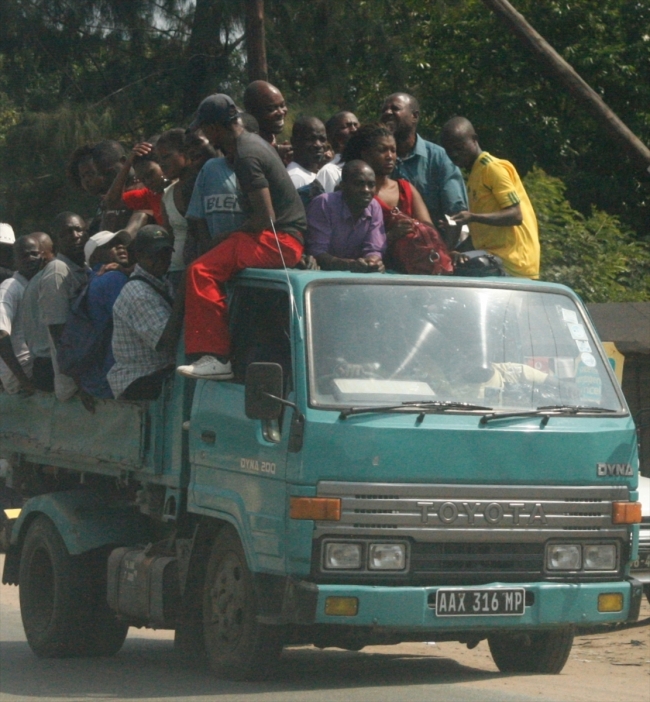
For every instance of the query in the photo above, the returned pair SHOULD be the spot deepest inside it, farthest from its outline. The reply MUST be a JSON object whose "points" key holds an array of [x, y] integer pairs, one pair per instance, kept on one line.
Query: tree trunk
{"points": [[204, 54], [517, 23], [255, 42]]}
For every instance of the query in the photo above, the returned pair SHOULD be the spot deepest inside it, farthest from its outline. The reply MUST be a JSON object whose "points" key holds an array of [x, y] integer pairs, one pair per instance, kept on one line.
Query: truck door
{"points": [[238, 464]]}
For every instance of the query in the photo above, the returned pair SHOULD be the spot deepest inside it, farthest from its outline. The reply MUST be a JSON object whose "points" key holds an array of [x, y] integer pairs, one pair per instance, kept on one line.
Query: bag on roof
{"points": [[422, 251], [479, 264]]}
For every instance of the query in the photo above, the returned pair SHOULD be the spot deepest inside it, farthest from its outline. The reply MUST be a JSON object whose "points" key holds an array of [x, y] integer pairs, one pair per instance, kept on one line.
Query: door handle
{"points": [[208, 437]]}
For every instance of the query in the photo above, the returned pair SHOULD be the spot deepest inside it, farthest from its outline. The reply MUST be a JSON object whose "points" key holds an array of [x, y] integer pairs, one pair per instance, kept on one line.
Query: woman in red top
{"points": [[375, 144]]}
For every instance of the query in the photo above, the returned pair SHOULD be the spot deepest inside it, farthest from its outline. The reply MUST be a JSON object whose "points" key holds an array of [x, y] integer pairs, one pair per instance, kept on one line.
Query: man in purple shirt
{"points": [[345, 229]]}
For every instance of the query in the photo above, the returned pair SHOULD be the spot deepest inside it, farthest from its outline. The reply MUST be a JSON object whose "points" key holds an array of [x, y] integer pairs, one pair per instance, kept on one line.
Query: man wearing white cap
{"points": [[102, 250], [7, 239]]}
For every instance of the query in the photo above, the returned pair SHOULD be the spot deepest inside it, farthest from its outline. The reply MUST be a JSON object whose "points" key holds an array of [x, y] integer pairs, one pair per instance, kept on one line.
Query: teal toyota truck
{"points": [[398, 458]]}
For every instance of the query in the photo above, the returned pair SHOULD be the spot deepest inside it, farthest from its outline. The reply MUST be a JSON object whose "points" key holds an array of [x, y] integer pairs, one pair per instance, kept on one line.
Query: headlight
{"points": [[342, 556], [563, 556], [387, 557], [600, 557]]}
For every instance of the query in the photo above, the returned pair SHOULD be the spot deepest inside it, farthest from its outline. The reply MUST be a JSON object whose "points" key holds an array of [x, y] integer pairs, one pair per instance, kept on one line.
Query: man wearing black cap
{"points": [[147, 320], [272, 235]]}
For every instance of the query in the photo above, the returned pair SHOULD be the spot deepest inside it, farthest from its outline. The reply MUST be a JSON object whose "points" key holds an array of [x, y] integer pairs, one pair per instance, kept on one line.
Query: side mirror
{"points": [[263, 380]]}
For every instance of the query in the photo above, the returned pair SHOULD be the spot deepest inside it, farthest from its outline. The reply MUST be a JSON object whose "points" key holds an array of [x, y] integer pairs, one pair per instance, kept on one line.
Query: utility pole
{"points": [[255, 42], [579, 88]]}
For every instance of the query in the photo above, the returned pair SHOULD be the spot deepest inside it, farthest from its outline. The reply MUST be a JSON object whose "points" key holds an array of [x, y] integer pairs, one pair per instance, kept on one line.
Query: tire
{"points": [[237, 646], [536, 652], [63, 598]]}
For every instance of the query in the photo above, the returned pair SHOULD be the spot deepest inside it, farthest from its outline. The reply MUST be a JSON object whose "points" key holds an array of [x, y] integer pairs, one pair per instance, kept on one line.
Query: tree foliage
{"points": [[75, 70], [595, 255]]}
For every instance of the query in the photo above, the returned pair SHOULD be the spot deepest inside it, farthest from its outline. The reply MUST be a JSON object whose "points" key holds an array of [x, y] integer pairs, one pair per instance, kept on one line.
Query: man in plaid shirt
{"points": [[147, 320]]}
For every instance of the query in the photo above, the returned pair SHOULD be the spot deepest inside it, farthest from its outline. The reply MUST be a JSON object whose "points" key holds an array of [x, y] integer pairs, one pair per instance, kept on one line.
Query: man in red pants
{"points": [[269, 201]]}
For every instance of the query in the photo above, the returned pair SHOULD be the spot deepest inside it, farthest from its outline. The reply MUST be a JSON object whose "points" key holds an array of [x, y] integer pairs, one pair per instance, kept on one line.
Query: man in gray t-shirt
{"points": [[61, 282], [270, 237]]}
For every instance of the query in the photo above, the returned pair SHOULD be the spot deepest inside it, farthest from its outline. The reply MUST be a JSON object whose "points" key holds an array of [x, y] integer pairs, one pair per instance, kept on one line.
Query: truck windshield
{"points": [[376, 344]]}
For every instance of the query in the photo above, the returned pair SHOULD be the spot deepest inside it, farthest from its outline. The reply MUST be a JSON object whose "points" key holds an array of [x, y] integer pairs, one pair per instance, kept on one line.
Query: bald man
{"points": [[345, 229], [266, 103], [501, 218], [308, 139], [423, 163]]}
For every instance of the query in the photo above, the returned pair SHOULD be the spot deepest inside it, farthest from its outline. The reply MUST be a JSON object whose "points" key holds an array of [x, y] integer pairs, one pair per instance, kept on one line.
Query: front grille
{"points": [[467, 513], [467, 560]]}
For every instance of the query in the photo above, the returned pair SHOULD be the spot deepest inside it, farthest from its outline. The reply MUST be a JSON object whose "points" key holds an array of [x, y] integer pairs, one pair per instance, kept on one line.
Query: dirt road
{"points": [[602, 668]]}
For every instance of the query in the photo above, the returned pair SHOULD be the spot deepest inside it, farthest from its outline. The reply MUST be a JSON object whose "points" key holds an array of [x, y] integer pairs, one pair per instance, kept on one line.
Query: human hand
{"points": [[286, 152], [141, 149], [399, 229], [375, 265], [88, 401], [458, 258], [27, 386], [307, 263], [462, 218]]}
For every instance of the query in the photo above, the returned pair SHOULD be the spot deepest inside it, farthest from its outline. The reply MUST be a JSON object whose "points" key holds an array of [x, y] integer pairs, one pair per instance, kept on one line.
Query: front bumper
{"points": [[553, 604]]}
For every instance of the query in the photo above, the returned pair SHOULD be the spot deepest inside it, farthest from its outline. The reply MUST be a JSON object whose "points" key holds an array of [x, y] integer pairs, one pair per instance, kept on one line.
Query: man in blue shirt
{"points": [[215, 204], [108, 258], [423, 163]]}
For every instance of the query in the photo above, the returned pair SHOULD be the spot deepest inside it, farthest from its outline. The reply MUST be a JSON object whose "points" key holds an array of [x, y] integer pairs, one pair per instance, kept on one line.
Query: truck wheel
{"points": [[536, 652], [60, 599], [238, 647]]}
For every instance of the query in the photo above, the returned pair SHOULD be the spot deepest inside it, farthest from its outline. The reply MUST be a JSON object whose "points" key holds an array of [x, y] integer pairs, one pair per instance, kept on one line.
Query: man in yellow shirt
{"points": [[501, 218]]}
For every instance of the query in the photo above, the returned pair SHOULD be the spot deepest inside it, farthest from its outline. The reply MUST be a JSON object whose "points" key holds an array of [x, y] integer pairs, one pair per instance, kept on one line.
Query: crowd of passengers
{"points": [[185, 211]]}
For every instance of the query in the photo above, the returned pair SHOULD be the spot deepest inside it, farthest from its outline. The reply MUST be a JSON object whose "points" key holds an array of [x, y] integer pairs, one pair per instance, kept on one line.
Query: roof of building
{"points": [[627, 324]]}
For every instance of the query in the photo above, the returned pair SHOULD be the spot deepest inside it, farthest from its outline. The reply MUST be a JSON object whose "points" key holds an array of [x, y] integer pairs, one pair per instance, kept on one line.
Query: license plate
{"points": [[470, 603]]}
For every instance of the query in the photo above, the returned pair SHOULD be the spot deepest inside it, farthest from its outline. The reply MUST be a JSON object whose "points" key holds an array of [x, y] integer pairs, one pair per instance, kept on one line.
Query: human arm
{"points": [[113, 198], [9, 357], [165, 218], [56, 331], [136, 222], [262, 212], [374, 242], [327, 262], [507, 217], [285, 150], [172, 332], [420, 210], [198, 230], [453, 193]]}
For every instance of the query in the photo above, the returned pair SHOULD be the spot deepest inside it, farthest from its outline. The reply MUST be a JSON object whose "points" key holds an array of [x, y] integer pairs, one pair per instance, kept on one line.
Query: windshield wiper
{"points": [[575, 409], [420, 406], [547, 411]]}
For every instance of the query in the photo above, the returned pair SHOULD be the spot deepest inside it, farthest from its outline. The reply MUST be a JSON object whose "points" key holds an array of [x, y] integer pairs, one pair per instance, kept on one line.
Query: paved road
{"points": [[147, 669]]}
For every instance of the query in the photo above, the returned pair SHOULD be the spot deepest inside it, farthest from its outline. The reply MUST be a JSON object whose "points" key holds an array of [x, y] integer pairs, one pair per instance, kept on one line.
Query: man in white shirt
{"points": [[16, 366], [308, 139], [339, 128]]}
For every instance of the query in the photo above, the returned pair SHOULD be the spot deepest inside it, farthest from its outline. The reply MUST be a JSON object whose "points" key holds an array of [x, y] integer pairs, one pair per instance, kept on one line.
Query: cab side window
{"points": [[260, 330]]}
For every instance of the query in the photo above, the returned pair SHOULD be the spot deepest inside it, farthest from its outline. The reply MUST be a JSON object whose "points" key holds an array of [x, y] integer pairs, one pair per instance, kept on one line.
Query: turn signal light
{"points": [[610, 602], [342, 606], [626, 512], [321, 509]]}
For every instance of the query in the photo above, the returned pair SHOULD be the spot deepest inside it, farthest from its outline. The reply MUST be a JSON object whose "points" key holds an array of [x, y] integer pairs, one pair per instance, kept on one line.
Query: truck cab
{"points": [[398, 458]]}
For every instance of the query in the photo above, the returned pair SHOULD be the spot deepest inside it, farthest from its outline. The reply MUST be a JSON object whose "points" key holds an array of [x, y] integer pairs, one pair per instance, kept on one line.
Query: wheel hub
{"points": [[227, 600]]}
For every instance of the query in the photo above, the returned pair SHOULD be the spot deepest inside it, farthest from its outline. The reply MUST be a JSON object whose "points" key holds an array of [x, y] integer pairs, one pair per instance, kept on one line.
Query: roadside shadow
{"points": [[147, 668]]}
